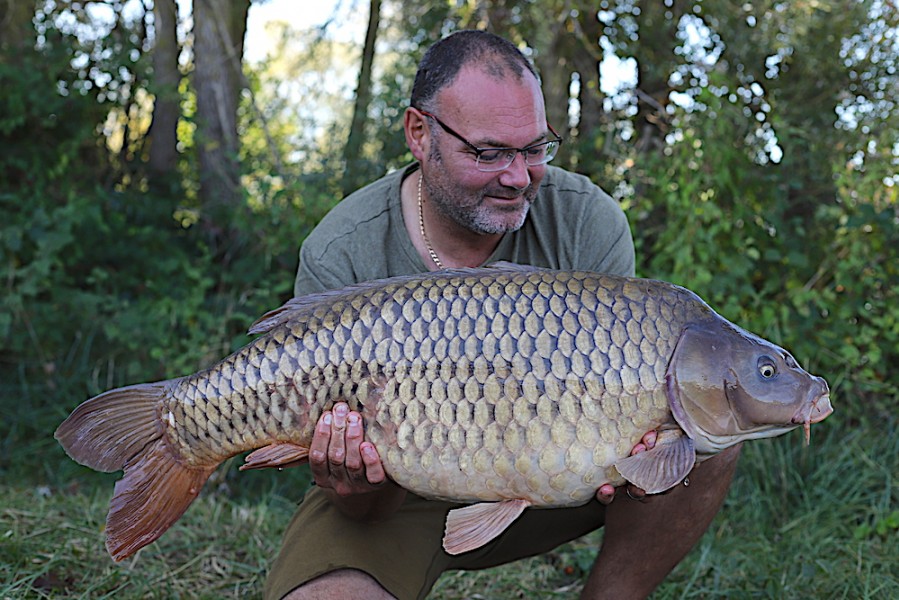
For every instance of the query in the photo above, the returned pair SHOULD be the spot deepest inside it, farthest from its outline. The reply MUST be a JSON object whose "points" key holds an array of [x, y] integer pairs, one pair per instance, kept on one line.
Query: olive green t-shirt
{"points": [[572, 224]]}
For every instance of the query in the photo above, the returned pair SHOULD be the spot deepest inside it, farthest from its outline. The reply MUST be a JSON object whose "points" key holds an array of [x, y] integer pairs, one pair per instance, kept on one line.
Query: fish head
{"points": [[726, 385]]}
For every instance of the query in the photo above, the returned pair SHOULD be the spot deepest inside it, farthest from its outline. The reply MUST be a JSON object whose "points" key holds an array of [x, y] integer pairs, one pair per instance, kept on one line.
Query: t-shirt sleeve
{"points": [[360, 239], [617, 245], [583, 226], [315, 275]]}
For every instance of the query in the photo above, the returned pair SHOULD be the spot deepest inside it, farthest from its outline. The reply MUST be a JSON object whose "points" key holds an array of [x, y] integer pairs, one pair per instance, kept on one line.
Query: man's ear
{"points": [[418, 134]]}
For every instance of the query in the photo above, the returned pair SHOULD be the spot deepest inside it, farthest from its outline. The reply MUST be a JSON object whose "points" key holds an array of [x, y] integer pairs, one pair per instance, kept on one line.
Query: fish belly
{"points": [[548, 452]]}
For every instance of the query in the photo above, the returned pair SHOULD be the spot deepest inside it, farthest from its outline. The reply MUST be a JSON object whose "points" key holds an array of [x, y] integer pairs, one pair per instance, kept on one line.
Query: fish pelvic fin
{"points": [[471, 527], [153, 494], [663, 467], [280, 456], [122, 430]]}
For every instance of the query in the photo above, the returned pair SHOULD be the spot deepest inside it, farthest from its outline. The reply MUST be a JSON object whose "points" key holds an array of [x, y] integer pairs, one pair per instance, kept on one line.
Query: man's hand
{"points": [[339, 458], [349, 470], [606, 493]]}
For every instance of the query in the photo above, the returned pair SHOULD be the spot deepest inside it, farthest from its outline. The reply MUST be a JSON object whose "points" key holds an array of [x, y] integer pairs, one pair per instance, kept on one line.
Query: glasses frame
{"points": [[479, 151]]}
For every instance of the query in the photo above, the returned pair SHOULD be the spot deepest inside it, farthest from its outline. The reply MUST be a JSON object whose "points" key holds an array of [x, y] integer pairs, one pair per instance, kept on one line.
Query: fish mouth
{"points": [[813, 412]]}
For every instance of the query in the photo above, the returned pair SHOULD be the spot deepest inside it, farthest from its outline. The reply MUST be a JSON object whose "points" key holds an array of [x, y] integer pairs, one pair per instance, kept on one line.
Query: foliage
{"points": [[789, 235], [75, 246], [712, 219], [83, 236]]}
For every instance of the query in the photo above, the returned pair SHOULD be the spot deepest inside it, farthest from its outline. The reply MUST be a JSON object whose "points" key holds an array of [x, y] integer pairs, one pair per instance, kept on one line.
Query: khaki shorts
{"points": [[404, 553]]}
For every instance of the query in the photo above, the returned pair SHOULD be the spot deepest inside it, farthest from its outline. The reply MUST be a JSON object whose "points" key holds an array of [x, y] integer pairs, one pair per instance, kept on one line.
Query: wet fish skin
{"points": [[523, 386], [466, 394]]}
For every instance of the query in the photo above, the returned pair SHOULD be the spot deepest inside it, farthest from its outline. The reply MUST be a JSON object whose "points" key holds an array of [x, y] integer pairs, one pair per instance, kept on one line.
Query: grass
{"points": [[816, 522], [53, 547]]}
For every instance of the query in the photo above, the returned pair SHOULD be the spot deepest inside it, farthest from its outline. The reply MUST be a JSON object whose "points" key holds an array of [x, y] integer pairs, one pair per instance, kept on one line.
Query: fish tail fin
{"points": [[106, 432], [153, 494], [123, 429]]}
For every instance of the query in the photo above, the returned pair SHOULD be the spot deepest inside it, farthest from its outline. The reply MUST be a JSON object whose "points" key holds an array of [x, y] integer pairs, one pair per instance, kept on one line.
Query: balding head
{"points": [[485, 51]]}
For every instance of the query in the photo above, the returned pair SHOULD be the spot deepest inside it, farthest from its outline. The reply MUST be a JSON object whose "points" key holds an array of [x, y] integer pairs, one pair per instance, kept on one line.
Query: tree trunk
{"points": [[16, 30], [586, 57], [354, 169], [657, 27], [163, 133], [219, 28], [555, 73]]}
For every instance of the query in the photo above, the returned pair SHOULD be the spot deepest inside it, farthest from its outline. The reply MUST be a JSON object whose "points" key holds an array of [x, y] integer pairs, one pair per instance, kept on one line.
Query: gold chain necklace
{"points": [[421, 226]]}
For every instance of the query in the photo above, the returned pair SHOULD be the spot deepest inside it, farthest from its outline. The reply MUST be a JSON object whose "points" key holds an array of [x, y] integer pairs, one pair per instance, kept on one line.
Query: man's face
{"points": [[490, 113]]}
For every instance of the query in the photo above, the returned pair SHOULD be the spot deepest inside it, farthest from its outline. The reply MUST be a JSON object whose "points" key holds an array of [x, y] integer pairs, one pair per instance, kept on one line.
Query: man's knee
{"points": [[343, 583]]}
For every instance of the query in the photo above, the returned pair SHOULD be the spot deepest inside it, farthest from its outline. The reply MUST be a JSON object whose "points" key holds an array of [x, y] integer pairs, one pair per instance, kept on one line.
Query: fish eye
{"points": [[767, 369]]}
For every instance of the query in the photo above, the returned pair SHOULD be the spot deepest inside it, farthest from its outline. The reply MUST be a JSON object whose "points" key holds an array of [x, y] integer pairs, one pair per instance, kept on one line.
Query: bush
{"points": [[824, 283]]}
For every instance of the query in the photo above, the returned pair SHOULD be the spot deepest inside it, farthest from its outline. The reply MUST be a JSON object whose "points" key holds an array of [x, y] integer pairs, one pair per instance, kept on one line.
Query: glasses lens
{"points": [[495, 159], [541, 153]]}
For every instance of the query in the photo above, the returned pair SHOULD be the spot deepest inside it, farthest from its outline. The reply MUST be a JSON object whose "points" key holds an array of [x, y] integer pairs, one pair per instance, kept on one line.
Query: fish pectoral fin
{"points": [[663, 467], [280, 456], [473, 526]]}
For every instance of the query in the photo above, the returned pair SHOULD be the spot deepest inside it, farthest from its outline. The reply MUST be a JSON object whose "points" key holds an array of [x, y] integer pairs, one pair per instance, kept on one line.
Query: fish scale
{"points": [[517, 386]]}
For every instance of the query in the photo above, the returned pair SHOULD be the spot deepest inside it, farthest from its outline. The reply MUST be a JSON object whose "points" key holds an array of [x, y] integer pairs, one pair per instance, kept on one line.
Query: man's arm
{"points": [[627, 566]]}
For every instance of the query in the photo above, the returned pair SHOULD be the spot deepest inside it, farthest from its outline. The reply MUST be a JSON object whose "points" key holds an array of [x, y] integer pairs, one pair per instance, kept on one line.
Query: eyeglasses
{"points": [[490, 160]]}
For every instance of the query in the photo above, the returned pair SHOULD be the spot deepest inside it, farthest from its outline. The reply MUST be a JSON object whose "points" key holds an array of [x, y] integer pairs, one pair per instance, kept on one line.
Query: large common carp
{"points": [[503, 387]]}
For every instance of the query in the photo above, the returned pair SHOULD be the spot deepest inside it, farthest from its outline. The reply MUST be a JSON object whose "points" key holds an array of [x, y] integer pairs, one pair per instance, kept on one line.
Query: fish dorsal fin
{"points": [[663, 467], [293, 308], [302, 305], [276, 456], [471, 527], [505, 265]]}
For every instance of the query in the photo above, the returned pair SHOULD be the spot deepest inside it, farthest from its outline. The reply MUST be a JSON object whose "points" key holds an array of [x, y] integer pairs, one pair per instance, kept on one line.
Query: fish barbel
{"points": [[504, 387]]}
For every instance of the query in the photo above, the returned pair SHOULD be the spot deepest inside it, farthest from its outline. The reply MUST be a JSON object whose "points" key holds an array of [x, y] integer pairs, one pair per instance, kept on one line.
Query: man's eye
{"points": [[492, 156]]}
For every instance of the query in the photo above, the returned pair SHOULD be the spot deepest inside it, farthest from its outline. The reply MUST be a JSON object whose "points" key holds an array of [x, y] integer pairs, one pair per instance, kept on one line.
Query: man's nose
{"points": [[516, 175]]}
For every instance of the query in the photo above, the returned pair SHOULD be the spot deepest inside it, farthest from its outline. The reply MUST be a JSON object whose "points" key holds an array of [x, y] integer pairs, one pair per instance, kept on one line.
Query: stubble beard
{"points": [[471, 211]]}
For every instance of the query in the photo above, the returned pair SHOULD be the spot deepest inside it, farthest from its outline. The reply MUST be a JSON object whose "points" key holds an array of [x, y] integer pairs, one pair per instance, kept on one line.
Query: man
{"points": [[481, 191]]}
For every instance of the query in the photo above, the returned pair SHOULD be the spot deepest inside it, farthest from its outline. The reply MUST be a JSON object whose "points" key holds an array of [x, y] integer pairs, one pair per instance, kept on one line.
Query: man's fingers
{"points": [[647, 442], [337, 445], [374, 469], [353, 439], [605, 494], [635, 493], [338, 456], [318, 449]]}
